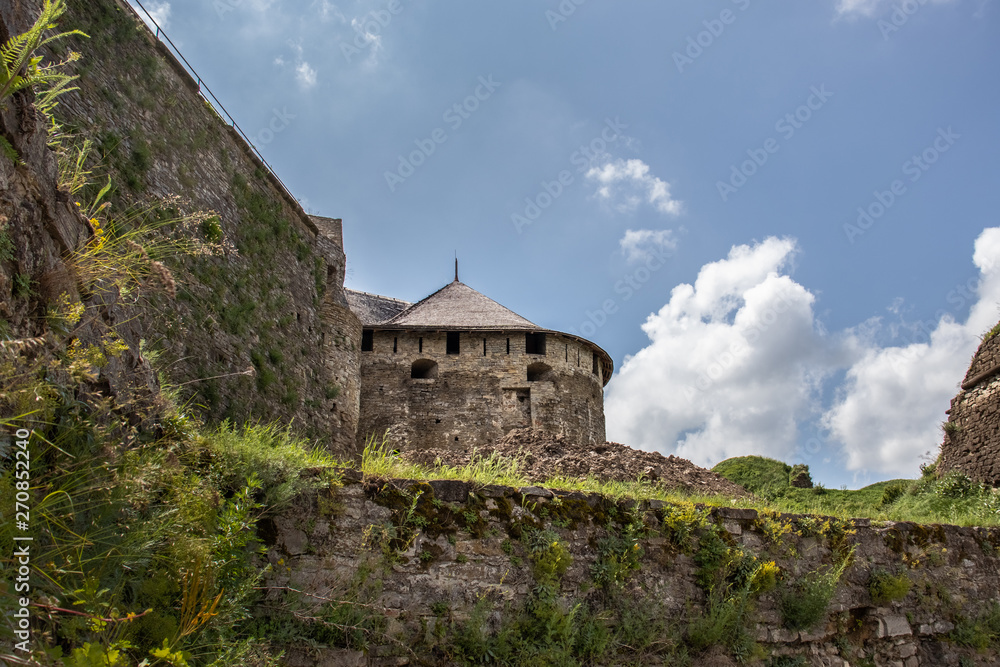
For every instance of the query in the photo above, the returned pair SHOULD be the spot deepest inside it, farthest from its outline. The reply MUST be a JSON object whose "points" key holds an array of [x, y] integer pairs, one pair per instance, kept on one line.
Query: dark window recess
{"points": [[484, 347], [367, 340], [452, 346], [597, 364], [567, 353], [395, 345], [538, 372], [420, 345], [534, 343], [508, 346], [424, 369]]}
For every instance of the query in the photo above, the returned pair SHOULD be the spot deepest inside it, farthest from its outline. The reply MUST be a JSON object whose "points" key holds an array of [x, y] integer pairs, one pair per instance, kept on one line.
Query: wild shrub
{"points": [[981, 632], [618, 555], [804, 602], [885, 586]]}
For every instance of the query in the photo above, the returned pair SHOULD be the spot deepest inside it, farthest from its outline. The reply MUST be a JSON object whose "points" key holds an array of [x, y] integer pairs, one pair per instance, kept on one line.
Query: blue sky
{"points": [[776, 217]]}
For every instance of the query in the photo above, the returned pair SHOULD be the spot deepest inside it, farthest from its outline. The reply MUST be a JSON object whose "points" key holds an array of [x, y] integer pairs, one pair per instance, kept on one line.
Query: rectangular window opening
{"points": [[567, 353], [508, 346], [367, 340], [597, 364], [452, 343], [534, 343], [484, 347], [420, 345], [395, 345]]}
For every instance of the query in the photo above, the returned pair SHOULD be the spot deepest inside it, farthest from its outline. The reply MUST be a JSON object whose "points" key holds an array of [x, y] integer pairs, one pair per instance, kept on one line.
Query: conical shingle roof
{"points": [[458, 306]]}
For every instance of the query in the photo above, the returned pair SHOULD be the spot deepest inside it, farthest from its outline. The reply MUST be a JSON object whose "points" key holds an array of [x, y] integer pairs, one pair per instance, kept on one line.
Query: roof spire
{"points": [[456, 266]]}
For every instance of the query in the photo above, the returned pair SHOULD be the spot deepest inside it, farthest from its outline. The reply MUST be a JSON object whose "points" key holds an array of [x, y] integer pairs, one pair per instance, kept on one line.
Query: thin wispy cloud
{"points": [[873, 7], [305, 74], [329, 12], [161, 13], [158, 11], [638, 245]]}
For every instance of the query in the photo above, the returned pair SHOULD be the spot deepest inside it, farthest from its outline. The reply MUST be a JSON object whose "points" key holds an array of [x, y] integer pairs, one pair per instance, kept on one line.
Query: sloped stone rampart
{"points": [[276, 304]]}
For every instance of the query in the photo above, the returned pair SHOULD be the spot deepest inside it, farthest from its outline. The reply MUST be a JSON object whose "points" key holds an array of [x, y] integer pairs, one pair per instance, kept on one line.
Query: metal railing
{"points": [[203, 90]]}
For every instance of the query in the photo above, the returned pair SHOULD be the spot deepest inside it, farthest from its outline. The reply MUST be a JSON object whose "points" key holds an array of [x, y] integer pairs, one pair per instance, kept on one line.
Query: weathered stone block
{"points": [[895, 625], [450, 490]]}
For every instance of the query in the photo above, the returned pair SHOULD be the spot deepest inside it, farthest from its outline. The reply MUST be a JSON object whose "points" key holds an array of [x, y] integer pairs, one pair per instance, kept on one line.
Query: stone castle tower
{"points": [[458, 370]]}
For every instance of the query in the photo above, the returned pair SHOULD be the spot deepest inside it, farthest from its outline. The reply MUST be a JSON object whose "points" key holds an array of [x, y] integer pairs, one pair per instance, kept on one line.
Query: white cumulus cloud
{"points": [[641, 244], [737, 364], [734, 363], [889, 412], [629, 183]]}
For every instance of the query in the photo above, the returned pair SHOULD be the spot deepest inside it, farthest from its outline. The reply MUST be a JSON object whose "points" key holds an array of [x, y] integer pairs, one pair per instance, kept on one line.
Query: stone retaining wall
{"points": [[454, 546]]}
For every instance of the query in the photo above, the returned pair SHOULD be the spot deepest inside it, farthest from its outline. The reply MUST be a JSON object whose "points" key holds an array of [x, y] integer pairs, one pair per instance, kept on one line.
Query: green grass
{"points": [[756, 474], [954, 499], [928, 500], [982, 632]]}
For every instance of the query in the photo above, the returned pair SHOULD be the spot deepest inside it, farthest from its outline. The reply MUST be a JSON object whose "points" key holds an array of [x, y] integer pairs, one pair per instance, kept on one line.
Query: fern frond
{"points": [[9, 151], [20, 68]]}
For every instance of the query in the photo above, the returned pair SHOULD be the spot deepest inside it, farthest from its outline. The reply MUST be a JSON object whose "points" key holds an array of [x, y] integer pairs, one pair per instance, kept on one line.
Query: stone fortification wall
{"points": [[243, 334], [433, 557], [972, 432], [472, 399], [39, 229]]}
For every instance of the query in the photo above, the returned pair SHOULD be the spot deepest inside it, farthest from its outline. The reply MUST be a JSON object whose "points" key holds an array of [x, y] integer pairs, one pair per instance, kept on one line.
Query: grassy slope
{"points": [[952, 499]]}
